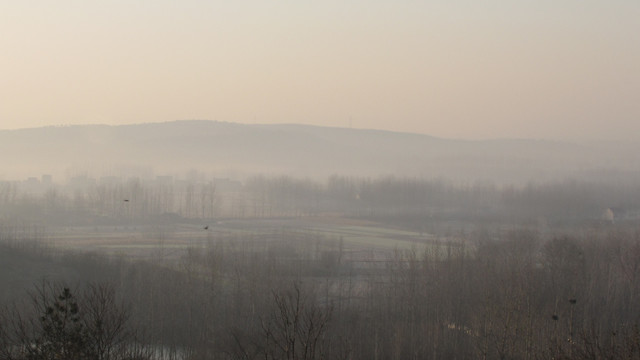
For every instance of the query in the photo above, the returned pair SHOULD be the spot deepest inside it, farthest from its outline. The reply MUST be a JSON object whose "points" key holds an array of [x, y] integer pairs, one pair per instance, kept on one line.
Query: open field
{"points": [[173, 240]]}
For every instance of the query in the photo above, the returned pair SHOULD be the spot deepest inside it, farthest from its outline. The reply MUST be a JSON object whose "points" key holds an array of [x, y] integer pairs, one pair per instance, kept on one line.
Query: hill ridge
{"points": [[293, 149]]}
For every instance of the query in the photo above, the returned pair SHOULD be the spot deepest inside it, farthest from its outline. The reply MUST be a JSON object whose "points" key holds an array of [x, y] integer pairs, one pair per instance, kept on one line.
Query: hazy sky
{"points": [[464, 69]]}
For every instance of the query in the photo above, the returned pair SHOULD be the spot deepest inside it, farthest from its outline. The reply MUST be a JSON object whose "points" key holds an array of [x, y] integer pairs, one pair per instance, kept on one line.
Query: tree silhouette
{"points": [[59, 324]]}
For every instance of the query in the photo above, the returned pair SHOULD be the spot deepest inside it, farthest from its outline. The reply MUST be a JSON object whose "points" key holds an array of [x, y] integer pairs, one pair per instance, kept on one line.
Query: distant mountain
{"points": [[299, 150]]}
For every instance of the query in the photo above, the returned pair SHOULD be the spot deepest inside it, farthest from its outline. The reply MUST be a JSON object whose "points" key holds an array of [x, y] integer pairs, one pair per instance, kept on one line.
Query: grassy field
{"points": [[172, 240]]}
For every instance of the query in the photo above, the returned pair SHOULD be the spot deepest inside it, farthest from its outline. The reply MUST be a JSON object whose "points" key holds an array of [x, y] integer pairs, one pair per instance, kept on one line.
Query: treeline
{"points": [[411, 202], [491, 295]]}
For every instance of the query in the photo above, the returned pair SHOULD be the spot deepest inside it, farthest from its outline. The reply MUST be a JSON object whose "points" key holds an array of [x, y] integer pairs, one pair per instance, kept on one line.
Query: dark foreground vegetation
{"points": [[508, 295], [497, 287]]}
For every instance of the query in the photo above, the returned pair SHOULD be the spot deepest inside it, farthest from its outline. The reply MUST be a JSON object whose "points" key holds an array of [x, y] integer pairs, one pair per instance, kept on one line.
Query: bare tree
{"points": [[294, 329]]}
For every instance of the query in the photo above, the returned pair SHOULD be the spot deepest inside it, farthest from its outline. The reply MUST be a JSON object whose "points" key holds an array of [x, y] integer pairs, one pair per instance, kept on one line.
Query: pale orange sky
{"points": [[563, 69]]}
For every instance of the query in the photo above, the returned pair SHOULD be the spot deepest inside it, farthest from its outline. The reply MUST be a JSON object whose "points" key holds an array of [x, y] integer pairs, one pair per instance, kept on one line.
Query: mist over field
{"points": [[386, 180], [215, 240]]}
